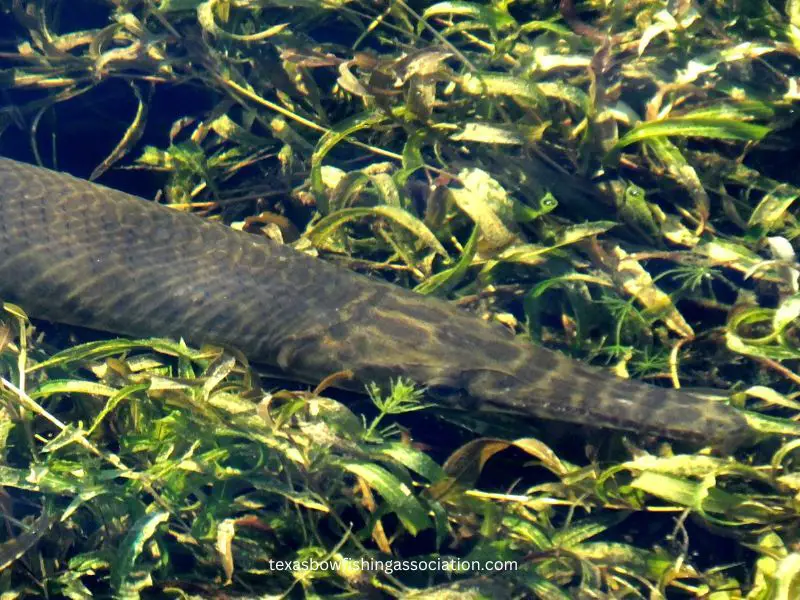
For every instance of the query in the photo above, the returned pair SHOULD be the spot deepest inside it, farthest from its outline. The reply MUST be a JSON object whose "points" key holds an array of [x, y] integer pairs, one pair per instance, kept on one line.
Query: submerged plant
{"points": [[612, 179]]}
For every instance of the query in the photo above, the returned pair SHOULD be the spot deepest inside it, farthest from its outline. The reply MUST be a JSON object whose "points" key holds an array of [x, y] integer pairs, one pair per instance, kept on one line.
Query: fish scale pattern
{"points": [[80, 253]]}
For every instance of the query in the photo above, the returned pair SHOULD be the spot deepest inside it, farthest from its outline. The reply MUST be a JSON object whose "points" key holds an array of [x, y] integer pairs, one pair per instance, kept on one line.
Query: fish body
{"points": [[76, 252]]}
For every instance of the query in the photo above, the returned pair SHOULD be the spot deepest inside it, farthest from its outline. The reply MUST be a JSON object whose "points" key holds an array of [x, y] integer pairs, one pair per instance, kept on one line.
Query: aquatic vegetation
{"points": [[617, 180]]}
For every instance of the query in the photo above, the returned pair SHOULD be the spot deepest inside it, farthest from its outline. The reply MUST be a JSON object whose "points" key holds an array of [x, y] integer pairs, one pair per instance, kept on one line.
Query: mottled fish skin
{"points": [[80, 253]]}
